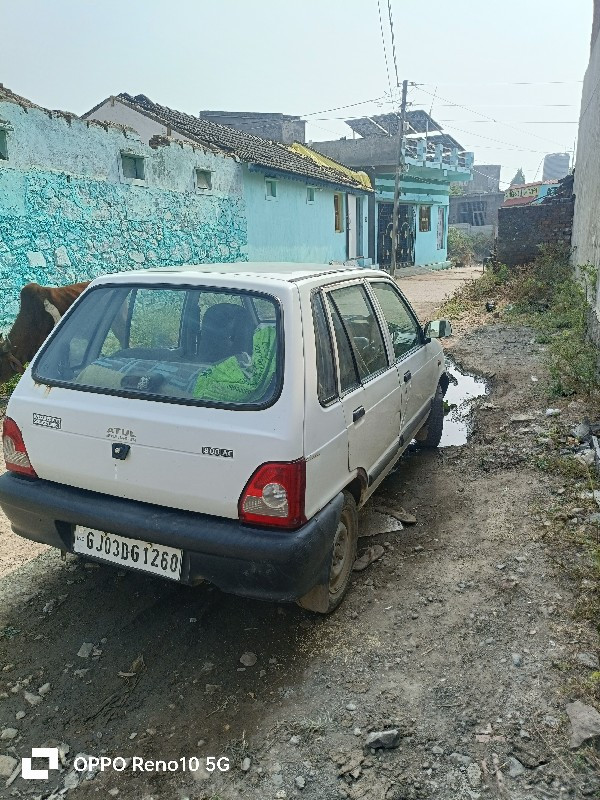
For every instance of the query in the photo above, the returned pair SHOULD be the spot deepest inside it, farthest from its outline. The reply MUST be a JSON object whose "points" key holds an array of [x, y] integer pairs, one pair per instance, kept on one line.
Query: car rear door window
{"points": [[179, 344], [326, 378], [347, 367], [404, 330], [363, 334]]}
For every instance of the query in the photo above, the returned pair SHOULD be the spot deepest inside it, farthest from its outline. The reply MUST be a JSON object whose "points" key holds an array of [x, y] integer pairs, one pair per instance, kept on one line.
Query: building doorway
{"points": [[405, 253]]}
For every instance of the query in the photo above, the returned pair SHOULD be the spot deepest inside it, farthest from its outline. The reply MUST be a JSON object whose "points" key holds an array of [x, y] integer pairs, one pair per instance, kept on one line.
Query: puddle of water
{"points": [[462, 390]]}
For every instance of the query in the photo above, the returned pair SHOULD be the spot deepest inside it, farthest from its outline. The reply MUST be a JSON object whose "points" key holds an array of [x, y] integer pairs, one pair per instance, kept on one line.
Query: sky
{"points": [[504, 78]]}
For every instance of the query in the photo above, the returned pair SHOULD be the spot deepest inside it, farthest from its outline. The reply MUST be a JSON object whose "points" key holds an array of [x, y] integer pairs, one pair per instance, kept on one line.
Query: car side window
{"points": [[326, 378], [348, 373], [359, 321], [404, 330]]}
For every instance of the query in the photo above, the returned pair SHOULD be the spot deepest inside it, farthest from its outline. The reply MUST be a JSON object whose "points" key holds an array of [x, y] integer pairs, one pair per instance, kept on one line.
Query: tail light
{"points": [[274, 495], [15, 452]]}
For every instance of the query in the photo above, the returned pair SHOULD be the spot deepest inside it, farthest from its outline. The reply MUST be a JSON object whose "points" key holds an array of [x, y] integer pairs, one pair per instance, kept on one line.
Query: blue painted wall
{"points": [[68, 214], [288, 228], [433, 193]]}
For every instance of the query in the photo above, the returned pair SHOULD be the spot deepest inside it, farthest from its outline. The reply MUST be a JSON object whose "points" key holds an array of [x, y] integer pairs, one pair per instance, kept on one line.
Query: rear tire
{"points": [[432, 430], [343, 556]]}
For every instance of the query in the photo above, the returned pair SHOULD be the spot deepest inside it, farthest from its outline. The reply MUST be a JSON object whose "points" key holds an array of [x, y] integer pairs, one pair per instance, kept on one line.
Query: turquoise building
{"points": [[431, 161], [85, 197], [299, 206]]}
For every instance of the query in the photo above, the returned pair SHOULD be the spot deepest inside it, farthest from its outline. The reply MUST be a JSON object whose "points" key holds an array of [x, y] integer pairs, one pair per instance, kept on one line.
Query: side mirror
{"points": [[438, 329]]}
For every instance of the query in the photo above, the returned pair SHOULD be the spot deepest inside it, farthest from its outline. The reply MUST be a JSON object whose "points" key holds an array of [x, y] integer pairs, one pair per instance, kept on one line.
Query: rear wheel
{"points": [[343, 555], [430, 434]]}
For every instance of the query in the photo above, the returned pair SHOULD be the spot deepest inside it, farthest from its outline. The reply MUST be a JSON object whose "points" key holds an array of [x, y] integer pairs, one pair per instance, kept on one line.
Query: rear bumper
{"points": [[255, 562]]}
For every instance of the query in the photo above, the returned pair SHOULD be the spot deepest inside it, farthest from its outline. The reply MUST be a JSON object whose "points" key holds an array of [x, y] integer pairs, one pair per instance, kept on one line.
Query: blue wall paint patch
{"points": [[67, 215]]}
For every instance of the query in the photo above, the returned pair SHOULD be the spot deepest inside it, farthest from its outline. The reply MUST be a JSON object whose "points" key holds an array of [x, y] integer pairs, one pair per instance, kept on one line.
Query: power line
{"points": [[505, 83], [387, 69], [321, 128], [389, 4], [589, 102], [488, 176], [491, 119], [346, 118], [520, 121], [499, 141], [516, 105], [350, 105]]}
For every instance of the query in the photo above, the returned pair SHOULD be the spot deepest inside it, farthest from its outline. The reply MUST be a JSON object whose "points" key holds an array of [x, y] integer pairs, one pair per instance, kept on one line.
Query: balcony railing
{"points": [[422, 152]]}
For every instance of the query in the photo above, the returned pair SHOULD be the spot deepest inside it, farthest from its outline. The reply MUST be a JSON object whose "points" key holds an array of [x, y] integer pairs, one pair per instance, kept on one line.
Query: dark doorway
{"points": [[405, 254]]}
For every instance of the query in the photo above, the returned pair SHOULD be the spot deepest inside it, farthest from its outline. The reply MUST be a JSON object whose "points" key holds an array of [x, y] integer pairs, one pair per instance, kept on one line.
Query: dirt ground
{"points": [[462, 638], [426, 291]]}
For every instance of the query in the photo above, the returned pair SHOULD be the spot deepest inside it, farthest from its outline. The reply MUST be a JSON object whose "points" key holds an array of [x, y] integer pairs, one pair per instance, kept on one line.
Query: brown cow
{"points": [[40, 310]]}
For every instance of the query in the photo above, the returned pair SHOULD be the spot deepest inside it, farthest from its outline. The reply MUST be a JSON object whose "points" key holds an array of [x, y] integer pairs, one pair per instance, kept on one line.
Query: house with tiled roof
{"points": [[80, 199], [433, 159], [299, 206]]}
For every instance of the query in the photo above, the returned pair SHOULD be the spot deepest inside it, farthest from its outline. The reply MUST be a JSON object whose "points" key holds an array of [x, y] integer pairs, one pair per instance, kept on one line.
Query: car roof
{"points": [[287, 272]]}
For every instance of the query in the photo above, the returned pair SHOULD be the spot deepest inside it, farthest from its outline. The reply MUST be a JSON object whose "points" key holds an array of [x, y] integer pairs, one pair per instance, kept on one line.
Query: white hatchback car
{"points": [[222, 423]]}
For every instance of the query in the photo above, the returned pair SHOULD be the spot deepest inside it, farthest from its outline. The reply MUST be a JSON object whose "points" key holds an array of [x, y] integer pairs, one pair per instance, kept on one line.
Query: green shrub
{"points": [[460, 247], [549, 285], [465, 248]]}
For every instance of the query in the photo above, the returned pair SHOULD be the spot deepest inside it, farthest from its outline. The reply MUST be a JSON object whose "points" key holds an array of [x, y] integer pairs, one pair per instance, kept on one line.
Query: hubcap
{"points": [[341, 555]]}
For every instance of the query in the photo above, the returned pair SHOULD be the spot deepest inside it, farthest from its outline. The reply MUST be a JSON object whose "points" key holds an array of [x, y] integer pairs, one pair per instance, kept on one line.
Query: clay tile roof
{"points": [[245, 146]]}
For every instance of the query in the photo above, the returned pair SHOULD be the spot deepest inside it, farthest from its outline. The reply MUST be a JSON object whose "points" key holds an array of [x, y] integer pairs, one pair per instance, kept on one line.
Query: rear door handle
{"points": [[407, 376], [358, 413]]}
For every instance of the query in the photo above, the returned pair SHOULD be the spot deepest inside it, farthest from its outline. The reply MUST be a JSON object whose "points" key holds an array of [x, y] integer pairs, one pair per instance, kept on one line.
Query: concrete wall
{"points": [[586, 222], [288, 228], [475, 230], [491, 201], [277, 127], [522, 229], [426, 243], [370, 151], [485, 180], [67, 214]]}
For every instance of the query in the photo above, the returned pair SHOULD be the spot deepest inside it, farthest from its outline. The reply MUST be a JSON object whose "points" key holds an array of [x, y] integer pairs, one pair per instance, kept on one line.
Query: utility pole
{"points": [[399, 171]]}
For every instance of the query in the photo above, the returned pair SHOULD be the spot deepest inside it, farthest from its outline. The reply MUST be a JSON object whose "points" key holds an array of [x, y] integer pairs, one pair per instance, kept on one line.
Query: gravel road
{"points": [[461, 639]]}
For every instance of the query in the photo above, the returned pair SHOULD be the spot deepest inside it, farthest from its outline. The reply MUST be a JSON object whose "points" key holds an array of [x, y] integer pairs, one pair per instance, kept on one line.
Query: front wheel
{"points": [[430, 434], [343, 555]]}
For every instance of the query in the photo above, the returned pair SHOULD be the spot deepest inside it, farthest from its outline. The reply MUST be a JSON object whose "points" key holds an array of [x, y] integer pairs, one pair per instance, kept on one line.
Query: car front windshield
{"points": [[196, 345]]}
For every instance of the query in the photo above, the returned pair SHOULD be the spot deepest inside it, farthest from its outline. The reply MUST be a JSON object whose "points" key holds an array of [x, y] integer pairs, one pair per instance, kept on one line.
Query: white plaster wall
{"points": [[586, 222], [38, 139], [113, 110]]}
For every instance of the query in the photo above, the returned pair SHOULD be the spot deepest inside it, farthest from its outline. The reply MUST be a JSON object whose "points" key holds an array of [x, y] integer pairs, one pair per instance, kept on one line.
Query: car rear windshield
{"points": [[202, 346]]}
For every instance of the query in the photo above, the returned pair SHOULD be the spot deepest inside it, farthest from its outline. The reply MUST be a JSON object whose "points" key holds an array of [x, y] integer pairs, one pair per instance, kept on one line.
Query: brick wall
{"points": [[522, 229]]}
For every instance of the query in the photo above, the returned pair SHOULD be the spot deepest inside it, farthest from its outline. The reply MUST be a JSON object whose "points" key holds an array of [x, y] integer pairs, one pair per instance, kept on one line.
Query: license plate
{"points": [[156, 558]]}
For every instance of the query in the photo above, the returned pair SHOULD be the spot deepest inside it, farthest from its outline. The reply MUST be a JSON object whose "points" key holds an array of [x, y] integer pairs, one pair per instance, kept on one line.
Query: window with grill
{"points": [[424, 219]]}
